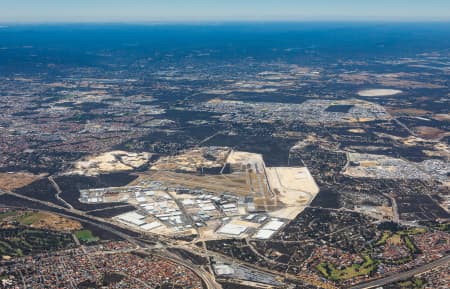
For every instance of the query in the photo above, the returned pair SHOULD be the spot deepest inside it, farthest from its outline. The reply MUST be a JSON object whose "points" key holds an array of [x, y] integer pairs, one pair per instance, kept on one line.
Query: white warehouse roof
{"points": [[141, 199], [149, 193], [132, 218], [151, 226], [229, 206], [273, 225], [188, 202], [208, 208], [263, 234], [222, 269], [232, 229]]}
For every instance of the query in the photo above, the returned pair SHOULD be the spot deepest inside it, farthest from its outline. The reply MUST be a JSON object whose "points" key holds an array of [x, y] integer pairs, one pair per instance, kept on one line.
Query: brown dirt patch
{"points": [[356, 130], [407, 111], [45, 220], [16, 180], [428, 132], [442, 117]]}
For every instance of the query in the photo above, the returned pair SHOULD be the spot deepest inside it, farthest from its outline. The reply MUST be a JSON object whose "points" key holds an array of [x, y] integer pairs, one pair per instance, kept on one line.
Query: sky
{"points": [[45, 11]]}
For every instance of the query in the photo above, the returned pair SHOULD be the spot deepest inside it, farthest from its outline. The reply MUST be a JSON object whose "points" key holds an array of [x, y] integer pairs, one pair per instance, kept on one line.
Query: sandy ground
{"points": [[294, 185], [45, 220], [377, 212], [428, 132], [442, 117], [378, 92], [356, 130], [236, 157], [289, 213], [191, 160], [11, 181], [407, 111], [112, 161], [209, 232]]}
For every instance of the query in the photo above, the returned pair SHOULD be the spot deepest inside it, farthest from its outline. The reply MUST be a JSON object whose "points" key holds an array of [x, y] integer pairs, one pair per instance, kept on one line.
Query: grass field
{"points": [[86, 236], [384, 238], [396, 239], [47, 220], [332, 273], [30, 218], [411, 245], [400, 237]]}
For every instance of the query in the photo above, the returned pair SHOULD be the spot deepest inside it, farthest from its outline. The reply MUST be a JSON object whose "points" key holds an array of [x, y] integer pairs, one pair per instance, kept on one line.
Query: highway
{"points": [[82, 217], [403, 275]]}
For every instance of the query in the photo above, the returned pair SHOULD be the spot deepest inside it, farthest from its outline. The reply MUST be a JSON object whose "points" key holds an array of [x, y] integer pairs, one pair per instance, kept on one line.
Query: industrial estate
{"points": [[241, 197]]}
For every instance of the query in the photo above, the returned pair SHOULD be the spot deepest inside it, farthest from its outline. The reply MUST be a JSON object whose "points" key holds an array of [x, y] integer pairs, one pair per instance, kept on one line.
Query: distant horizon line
{"points": [[3, 24]]}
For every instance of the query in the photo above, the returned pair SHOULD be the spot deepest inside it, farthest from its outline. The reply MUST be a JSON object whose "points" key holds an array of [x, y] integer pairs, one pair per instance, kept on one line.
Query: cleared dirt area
{"points": [[442, 117], [194, 160], [294, 186], [236, 157], [428, 132], [45, 220], [40, 220], [11, 181], [378, 92], [113, 161], [356, 130], [407, 111], [289, 213]]}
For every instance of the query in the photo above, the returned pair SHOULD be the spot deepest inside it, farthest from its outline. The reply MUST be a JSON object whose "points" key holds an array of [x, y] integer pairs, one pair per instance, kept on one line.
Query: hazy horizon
{"points": [[201, 11]]}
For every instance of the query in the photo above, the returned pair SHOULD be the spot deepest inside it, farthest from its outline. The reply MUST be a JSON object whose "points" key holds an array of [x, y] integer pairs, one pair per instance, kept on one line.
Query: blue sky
{"points": [[223, 10]]}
